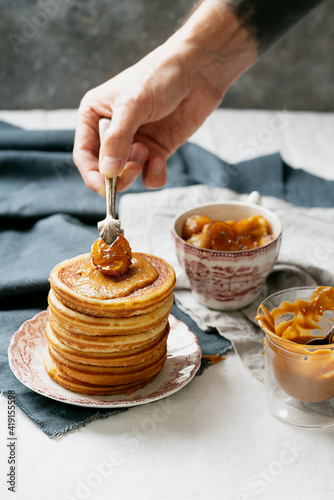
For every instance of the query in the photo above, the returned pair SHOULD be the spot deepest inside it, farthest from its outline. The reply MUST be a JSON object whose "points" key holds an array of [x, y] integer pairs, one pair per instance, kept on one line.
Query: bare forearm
{"points": [[223, 47]]}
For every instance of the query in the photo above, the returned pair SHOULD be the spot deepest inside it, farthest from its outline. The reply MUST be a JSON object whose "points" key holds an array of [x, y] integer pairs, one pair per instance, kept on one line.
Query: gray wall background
{"points": [[53, 51]]}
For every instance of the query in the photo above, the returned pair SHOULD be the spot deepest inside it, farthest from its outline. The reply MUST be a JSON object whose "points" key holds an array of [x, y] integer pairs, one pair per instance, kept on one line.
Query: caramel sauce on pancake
{"points": [[91, 282]]}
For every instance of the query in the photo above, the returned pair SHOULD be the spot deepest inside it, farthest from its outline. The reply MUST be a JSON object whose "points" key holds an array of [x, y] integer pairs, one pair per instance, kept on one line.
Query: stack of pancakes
{"points": [[107, 335]]}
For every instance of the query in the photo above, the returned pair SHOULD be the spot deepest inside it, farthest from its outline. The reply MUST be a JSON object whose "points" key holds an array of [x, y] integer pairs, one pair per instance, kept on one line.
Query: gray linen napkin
{"points": [[306, 257]]}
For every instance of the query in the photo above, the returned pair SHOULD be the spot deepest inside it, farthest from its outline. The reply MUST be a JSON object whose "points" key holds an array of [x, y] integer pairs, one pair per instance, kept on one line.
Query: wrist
{"points": [[218, 46]]}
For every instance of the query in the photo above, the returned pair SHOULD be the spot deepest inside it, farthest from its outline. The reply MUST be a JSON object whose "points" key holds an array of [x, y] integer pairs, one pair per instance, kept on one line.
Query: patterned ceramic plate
{"points": [[28, 349]]}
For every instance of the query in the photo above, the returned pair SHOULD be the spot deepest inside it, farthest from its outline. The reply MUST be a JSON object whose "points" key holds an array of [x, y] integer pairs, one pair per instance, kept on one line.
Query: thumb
{"points": [[117, 139]]}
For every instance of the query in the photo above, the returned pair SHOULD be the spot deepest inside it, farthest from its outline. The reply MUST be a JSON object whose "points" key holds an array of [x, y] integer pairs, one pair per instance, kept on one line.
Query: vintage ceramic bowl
{"points": [[227, 280], [299, 378]]}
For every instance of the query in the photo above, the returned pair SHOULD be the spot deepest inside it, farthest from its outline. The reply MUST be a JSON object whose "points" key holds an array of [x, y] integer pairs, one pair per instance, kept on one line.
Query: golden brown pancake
{"points": [[104, 375], [85, 324], [68, 283], [105, 358], [110, 344], [92, 389], [106, 334]]}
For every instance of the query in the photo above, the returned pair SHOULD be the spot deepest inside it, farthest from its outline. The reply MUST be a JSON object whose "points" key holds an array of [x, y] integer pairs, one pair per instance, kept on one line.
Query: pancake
{"points": [[84, 324], [105, 357], [81, 387], [104, 375], [67, 275], [108, 344], [108, 335]]}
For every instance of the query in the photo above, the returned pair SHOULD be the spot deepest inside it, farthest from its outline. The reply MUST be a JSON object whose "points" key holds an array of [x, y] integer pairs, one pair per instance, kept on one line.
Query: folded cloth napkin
{"points": [[306, 256], [47, 214]]}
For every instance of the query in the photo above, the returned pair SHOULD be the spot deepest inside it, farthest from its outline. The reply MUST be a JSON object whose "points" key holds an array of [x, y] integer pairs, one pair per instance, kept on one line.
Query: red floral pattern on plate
{"points": [[28, 349]]}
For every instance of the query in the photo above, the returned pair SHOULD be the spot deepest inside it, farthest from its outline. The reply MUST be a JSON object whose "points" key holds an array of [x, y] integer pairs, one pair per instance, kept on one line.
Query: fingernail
{"points": [[138, 155], [110, 166], [157, 166]]}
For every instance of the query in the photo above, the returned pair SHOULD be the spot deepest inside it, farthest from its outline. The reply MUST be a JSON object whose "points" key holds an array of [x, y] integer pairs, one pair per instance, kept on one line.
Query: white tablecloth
{"points": [[215, 438]]}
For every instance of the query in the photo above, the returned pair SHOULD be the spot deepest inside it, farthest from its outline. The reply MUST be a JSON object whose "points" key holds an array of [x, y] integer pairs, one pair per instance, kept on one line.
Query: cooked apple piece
{"points": [[114, 259], [194, 225], [222, 236]]}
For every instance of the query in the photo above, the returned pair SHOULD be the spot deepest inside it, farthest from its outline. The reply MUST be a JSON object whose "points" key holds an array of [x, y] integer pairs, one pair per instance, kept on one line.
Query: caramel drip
{"points": [[304, 316], [304, 372], [93, 283]]}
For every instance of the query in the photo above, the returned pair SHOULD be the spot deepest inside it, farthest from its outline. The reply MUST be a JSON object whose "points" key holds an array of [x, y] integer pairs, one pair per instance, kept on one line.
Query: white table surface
{"points": [[215, 438]]}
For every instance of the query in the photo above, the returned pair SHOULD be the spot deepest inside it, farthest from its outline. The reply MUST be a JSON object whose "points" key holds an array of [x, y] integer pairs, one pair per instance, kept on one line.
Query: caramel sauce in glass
{"points": [[304, 316], [304, 372]]}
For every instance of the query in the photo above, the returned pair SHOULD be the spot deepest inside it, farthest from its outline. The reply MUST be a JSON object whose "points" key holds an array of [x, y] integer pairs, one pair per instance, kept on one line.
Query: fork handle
{"points": [[111, 184], [111, 190]]}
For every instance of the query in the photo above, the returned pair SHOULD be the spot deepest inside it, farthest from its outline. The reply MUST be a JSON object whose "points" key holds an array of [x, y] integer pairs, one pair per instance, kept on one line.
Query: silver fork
{"points": [[110, 227]]}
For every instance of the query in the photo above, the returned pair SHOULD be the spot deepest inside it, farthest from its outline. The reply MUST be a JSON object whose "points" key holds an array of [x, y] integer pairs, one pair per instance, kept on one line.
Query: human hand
{"points": [[154, 106]]}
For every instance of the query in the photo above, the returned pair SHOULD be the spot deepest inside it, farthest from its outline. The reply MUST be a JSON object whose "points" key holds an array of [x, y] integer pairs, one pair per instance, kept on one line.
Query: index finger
{"points": [[86, 149], [118, 138]]}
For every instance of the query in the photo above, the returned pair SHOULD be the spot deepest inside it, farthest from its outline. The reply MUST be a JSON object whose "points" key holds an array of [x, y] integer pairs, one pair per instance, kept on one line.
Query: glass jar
{"points": [[299, 378]]}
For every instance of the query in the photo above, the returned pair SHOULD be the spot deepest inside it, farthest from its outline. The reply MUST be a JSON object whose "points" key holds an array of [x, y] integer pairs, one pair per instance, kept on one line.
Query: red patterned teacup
{"points": [[227, 280]]}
